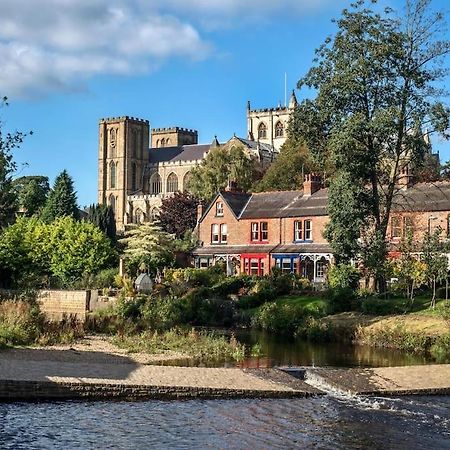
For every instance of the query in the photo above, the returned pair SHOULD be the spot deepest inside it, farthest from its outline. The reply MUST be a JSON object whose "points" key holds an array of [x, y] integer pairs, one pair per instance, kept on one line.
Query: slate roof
{"points": [[254, 145], [236, 201], [303, 247], [424, 197], [172, 154], [268, 205]]}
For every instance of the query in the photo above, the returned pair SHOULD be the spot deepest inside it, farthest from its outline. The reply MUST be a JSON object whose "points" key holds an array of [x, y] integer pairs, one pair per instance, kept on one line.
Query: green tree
{"points": [[103, 217], [147, 248], [218, 168], [62, 200], [178, 214], [375, 85], [32, 192], [286, 172], [8, 198], [435, 260]]}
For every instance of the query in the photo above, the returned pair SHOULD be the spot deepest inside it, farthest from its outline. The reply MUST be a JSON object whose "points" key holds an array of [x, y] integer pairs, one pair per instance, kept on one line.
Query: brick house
{"points": [[251, 233]]}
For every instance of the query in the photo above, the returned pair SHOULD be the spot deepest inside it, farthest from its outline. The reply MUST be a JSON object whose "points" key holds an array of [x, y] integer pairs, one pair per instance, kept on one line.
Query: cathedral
{"points": [[139, 166]]}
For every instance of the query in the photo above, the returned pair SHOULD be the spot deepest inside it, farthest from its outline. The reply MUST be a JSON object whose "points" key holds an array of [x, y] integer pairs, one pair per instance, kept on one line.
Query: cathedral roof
{"points": [[183, 153]]}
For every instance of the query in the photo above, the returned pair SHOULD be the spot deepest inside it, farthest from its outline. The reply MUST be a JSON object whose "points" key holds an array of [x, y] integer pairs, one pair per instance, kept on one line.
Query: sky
{"points": [[65, 64]]}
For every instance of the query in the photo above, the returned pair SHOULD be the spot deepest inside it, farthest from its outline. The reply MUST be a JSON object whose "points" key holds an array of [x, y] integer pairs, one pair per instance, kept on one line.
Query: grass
{"points": [[195, 344]]}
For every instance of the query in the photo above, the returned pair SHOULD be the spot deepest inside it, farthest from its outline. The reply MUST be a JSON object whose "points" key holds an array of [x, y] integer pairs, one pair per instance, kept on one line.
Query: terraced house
{"points": [[251, 233]]}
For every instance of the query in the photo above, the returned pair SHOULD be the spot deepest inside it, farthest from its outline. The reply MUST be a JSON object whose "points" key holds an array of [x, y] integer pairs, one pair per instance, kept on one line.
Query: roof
{"points": [[232, 249], [236, 201], [424, 197], [267, 205], [183, 153], [303, 247]]}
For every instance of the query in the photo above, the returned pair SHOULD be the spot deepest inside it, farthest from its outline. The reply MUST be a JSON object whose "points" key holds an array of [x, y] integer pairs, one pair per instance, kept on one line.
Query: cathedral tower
{"points": [[123, 155]]}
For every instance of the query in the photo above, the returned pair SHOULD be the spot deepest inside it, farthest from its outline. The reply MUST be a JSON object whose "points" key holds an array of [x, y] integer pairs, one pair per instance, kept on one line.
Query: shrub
{"points": [[341, 300], [163, 313], [440, 350], [379, 307], [343, 276], [216, 312], [228, 286], [130, 307]]}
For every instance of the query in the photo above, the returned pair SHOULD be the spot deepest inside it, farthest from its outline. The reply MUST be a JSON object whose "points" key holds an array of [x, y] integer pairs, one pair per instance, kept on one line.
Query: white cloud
{"points": [[58, 44], [48, 45]]}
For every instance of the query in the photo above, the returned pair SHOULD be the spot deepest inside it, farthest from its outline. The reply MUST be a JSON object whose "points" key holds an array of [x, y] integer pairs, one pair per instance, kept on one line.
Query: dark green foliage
{"points": [[103, 217], [341, 300], [286, 172], [343, 276], [62, 200], [178, 214], [32, 192], [380, 306]]}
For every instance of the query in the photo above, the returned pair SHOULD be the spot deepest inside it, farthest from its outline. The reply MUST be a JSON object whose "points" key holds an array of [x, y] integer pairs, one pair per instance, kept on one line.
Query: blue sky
{"points": [[193, 63]]}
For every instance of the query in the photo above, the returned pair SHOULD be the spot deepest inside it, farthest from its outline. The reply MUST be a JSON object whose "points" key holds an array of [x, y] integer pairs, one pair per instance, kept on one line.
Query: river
{"points": [[327, 422]]}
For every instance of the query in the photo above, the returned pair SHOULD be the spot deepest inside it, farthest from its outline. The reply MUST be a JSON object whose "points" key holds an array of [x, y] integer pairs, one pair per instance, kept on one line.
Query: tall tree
{"points": [[218, 168], [376, 92], [32, 192], [103, 217], [8, 198], [62, 200], [286, 172], [178, 214]]}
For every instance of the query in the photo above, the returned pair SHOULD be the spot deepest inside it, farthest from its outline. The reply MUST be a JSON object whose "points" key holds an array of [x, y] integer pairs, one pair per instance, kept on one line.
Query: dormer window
{"points": [[219, 209]]}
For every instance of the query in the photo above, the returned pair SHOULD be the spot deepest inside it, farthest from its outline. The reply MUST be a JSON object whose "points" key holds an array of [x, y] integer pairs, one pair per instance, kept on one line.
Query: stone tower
{"points": [[173, 137], [123, 155]]}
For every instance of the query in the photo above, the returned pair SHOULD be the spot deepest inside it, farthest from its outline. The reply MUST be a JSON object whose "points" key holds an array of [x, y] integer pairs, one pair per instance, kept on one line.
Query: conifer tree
{"points": [[103, 217], [62, 200]]}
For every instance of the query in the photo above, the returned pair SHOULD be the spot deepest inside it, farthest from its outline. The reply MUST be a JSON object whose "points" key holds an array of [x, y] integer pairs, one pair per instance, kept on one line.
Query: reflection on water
{"points": [[280, 351], [322, 422]]}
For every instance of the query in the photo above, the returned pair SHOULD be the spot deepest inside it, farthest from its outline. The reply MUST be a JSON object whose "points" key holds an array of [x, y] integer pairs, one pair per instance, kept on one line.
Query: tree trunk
{"points": [[433, 300]]}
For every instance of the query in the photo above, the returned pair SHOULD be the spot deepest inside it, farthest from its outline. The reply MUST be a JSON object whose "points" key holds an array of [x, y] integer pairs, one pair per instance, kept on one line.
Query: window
{"points": [[133, 177], [308, 230], [172, 183], [112, 203], [262, 131], [186, 181], [223, 233], [112, 175], [163, 142], [155, 184], [254, 266], [298, 230], [255, 231], [279, 130], [259, 231], [215, 238], [168, 142], [112, 143], [408, 226], [264, 231], [204, 263], [286, 265], [219, 209], [396, 227], [320, 269]]}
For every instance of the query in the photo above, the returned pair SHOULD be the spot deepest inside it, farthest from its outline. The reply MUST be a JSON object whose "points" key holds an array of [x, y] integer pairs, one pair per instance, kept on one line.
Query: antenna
{"points": [[285, 89]]}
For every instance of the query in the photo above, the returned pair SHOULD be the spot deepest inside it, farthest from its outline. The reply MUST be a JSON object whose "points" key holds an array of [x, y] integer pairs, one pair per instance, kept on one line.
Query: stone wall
{"points": [[58, 304]]}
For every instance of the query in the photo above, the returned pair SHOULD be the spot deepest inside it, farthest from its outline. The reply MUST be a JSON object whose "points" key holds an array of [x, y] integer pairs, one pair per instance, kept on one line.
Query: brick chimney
{"points": [[312, 183], [405, 178], [199, 212]]}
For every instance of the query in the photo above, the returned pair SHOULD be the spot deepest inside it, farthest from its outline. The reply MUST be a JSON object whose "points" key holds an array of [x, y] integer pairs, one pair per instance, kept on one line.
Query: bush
{"points": [[379, 307], [341, 300], [229, 286], [163, 313], [440, 350], [130, 307], [343, 276]]}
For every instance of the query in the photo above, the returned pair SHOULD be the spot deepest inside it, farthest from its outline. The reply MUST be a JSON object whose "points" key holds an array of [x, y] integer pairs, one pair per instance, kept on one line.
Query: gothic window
{"points": [[163, 142], [186, 181], [112, 203], [172, 183], [157, 143], [112, 143], [154, 214], [135, 144], [262, 131], [112, 175], [133, 177], [279, 130], [168, 142], [139, 216], [155, 184]]}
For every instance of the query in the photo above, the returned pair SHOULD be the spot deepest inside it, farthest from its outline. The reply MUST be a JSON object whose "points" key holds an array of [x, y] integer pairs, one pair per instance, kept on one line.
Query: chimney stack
{"points": [[199, 212], [232, 186], [312, 183]]}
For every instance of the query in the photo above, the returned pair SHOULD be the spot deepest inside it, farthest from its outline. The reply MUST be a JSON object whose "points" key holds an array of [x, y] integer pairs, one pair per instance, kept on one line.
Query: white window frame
{"points": [[308, 229]]}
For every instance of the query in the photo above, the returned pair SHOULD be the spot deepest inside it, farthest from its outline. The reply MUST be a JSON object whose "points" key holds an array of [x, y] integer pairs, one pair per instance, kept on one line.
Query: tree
{"points": [[286, 172], [435, 260], [103, 217], [62, 200], [147, 248], [218, 168], [8, 199], [376, 92], [178, 214], [32, 192]]}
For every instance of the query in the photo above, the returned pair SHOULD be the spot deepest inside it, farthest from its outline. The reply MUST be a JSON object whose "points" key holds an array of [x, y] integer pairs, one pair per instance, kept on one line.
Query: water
{"points": [[281, 351], [322, 422]]}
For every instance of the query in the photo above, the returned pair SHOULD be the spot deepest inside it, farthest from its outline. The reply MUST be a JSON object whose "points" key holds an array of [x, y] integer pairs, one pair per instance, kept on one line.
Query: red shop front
{"points": [[253, 263]]}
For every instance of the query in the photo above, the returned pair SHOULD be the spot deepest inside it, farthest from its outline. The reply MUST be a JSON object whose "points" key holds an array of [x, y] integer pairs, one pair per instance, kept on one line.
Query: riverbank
{"points": [[104, 372]]}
